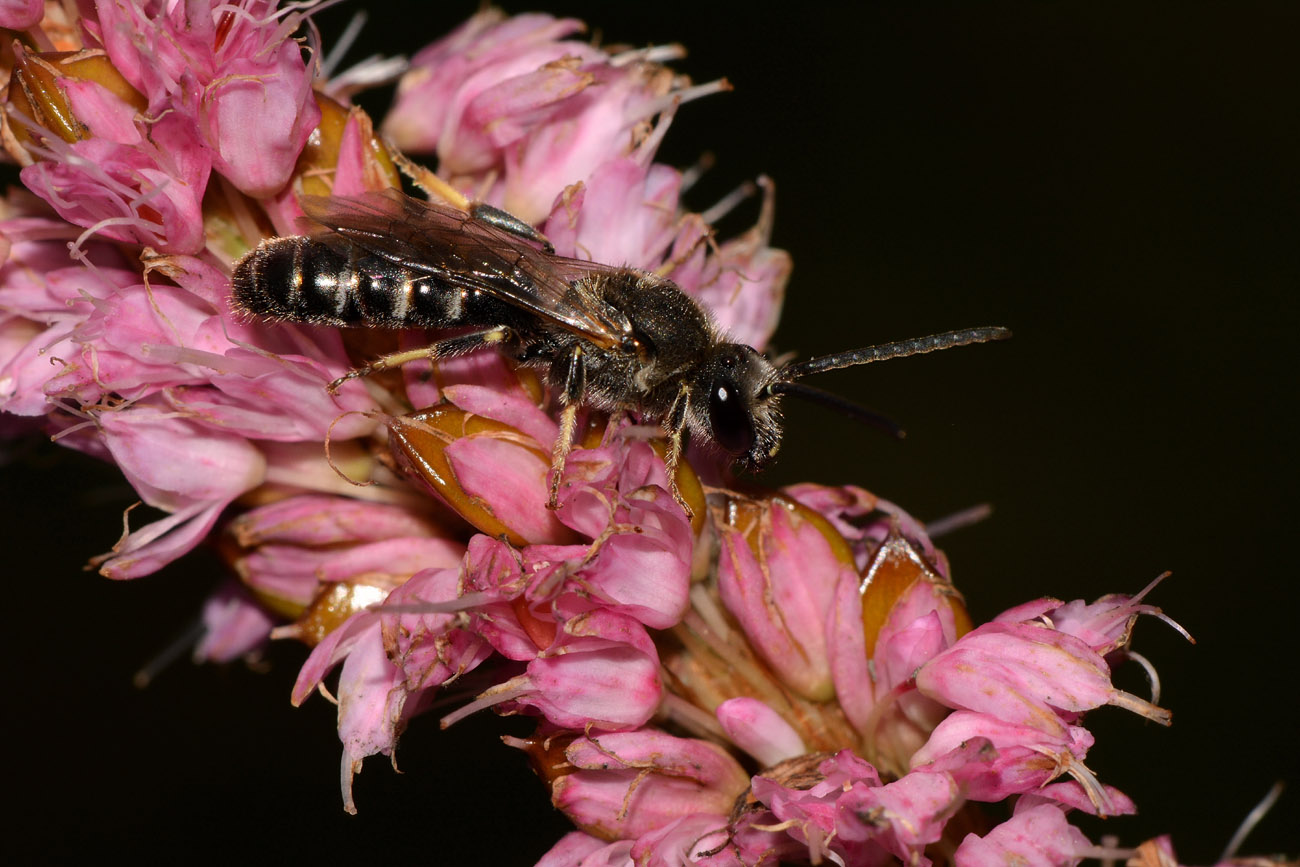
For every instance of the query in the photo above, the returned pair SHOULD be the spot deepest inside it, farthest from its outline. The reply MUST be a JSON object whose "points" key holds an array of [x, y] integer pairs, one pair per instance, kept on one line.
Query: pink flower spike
{"points": [[630, 783], [1040, 837], [760, 731]]}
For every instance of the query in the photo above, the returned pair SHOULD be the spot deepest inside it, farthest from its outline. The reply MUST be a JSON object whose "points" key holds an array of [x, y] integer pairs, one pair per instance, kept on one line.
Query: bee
{"points": [[613, 338]]}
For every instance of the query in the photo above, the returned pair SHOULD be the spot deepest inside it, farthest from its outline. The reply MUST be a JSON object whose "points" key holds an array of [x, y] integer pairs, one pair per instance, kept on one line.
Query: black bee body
{"points": [[610, 337], [327, 281]]}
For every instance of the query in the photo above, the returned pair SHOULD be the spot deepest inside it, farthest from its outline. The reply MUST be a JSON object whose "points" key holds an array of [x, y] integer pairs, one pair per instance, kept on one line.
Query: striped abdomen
{"points": [[306, 280]]}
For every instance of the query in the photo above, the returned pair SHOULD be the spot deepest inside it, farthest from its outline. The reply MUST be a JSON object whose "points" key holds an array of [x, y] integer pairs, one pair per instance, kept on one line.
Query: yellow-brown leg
{"points": [[575, 388], [676, 423], [560, 453], [448, 348]]}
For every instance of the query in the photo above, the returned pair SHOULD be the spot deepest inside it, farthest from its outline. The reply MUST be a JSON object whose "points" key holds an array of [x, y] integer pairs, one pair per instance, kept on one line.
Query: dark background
{"points": [[1114, 181]]}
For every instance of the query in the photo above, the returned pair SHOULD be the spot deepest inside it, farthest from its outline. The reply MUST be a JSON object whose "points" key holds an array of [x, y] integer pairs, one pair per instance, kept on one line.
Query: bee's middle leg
{"points": [[575, 386], [450, 348]]}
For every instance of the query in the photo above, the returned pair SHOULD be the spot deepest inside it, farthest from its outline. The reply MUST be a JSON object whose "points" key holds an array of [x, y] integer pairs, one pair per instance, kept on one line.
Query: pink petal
{"points": [[605, 674], [21, 14], [276, 89], [571, 850], [370, 707], [759, 730], [320, 519], [234, 625], [1040, 837]]}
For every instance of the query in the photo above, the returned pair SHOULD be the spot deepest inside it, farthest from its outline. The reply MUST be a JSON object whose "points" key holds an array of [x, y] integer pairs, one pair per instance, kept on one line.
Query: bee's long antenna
{"points": [[899, 349], [840, 405]]}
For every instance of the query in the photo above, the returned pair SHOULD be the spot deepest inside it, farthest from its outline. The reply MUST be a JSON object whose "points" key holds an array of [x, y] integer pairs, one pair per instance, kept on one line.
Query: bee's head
{"points": [[734, 406], [736, 396]]}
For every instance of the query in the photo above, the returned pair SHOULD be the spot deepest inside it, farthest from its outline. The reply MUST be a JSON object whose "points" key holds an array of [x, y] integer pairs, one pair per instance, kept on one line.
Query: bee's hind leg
{"points": [[451, 347]]}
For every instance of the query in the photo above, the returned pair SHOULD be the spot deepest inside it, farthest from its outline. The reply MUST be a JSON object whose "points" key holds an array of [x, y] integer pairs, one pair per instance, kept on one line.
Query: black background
{"points": [[1114, 181]]}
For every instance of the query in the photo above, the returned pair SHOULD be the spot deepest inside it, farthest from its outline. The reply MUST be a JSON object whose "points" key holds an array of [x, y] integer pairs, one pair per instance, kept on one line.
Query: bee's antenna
{"points": [[840, 405], [899, 349]]}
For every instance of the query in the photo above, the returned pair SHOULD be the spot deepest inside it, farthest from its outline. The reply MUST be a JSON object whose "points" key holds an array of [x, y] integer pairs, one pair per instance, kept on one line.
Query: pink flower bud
{"points": [[603, 672], [627, 784], [777, 574], [181, 467], [491, 474]]}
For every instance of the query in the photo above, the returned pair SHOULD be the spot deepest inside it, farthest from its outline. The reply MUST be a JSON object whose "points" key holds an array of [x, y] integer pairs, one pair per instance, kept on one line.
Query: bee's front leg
{"points": [[676, 424], [575, 387]]}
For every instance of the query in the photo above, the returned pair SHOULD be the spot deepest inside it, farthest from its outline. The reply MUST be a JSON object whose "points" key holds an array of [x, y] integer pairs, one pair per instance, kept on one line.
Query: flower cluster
{"points": [[778, 676]]}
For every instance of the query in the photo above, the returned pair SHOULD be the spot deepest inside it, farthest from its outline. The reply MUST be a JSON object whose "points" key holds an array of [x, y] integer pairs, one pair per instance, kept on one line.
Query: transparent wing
{"points": [[453, 246]]}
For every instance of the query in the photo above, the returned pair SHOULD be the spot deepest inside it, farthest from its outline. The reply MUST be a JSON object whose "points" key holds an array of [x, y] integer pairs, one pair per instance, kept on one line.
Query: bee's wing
{"points": [[455, 247]]}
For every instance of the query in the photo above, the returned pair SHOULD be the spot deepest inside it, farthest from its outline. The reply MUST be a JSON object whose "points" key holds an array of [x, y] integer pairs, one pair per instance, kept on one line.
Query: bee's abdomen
{"points": [[306, 280]]}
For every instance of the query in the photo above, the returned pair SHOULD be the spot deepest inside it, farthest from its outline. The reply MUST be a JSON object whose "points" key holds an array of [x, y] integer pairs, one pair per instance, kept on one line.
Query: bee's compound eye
{"points": [[728, 417]]}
